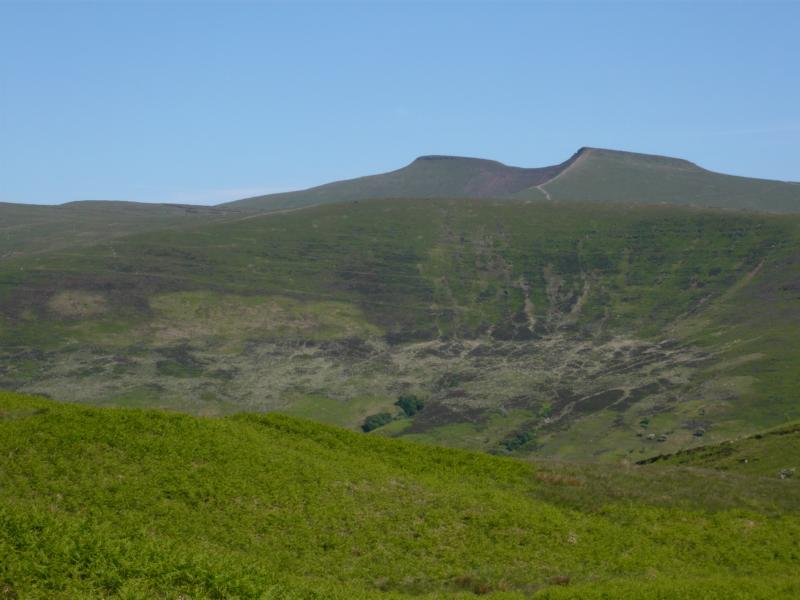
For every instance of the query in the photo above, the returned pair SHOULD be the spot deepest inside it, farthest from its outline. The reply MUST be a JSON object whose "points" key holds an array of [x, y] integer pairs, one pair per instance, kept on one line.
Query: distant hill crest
{"points": [[590, 175]]}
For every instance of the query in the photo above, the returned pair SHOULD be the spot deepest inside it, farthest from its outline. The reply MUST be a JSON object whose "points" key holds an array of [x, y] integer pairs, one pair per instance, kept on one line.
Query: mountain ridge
{"points": [[591, 174], [463, 176]]}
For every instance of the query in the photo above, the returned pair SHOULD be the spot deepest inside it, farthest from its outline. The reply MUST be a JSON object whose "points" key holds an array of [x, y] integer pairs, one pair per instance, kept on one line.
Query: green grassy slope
{"points": [[26, 228], [770, 453], [562, 330], [611, 176], [590, 175], [426, 177], [137, 504]]}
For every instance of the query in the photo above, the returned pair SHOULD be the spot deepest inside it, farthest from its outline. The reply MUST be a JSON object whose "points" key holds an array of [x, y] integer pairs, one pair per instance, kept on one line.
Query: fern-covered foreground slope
{"points": [[143, 504], [574, 331]]}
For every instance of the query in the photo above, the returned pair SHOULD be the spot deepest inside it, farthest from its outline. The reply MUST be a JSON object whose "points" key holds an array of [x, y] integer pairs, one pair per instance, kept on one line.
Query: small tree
{"points": [[410, 404]]}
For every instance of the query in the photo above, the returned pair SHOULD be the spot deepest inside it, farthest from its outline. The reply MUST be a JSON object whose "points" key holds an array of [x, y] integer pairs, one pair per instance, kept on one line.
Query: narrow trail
{"points": [[544, 191], [580, 158]]}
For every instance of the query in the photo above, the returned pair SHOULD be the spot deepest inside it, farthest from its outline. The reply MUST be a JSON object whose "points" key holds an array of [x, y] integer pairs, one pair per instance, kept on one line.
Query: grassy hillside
{"points": [[774, 453], [426, 177], [610, 176], [583, 331], [590, 175], [141, 504], [27, 228]]}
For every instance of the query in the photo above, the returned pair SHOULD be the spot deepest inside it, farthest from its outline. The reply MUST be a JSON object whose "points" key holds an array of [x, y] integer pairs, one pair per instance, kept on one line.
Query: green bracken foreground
{"points": [[144, 504]]}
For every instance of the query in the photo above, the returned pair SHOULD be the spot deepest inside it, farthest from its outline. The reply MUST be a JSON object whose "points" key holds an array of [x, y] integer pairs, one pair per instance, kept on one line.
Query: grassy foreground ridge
{"points": [[145, 504]]}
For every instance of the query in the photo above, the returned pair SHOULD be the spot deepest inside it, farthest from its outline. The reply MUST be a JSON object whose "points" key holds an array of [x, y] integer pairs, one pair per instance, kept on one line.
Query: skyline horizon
{"points": [[207, 102], [243, 193]]}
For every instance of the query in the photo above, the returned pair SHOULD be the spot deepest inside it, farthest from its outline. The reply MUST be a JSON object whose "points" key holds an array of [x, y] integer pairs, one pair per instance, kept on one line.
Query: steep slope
{"points": [[26, 228], [598, 175], [141, 504], [584, 331], [426, 177]]}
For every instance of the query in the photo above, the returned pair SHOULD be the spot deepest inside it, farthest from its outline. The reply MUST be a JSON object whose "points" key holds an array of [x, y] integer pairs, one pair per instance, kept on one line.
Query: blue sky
{"points": [[185, 102]]}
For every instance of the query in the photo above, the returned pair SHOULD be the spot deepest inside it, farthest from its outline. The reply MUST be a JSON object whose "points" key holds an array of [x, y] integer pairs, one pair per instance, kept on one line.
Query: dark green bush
{"points": [[375, 421], [517, 440], [410, 404]]}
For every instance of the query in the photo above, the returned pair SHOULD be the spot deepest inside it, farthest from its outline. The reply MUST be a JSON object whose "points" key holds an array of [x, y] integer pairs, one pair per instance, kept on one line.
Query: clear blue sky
{"points": [[184, 102]]}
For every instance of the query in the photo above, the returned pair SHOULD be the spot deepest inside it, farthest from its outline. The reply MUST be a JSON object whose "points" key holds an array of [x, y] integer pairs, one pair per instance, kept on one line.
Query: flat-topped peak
{"points": [[451, 158], [439, 157], [624, 155], [591, 174]]}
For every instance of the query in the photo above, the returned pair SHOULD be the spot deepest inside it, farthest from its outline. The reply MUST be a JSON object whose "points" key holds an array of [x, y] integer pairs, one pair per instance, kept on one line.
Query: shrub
{"points": [[375, 421], [517, 440], [410, 404]]}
